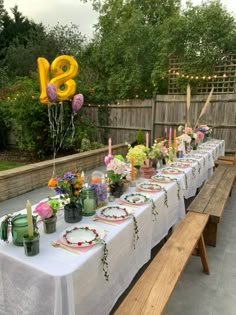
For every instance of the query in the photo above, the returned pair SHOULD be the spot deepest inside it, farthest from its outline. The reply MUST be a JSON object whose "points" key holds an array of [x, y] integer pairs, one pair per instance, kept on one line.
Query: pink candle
{"points": [[109, 146], [170, 135], [147, 139]]}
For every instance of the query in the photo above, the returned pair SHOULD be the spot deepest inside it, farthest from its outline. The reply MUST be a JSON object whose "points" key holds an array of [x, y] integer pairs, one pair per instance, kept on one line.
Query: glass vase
{"points": [[116, 189], [31, 245], [19, 229], [49, 224], [73, 212]]}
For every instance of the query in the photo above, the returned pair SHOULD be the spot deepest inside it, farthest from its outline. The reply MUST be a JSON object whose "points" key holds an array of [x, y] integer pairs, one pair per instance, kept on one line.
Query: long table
{"points": [[60, 282]]}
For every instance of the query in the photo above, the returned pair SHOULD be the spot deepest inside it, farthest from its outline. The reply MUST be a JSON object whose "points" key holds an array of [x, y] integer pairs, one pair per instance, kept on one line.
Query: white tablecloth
{"points": [[62, 283]]}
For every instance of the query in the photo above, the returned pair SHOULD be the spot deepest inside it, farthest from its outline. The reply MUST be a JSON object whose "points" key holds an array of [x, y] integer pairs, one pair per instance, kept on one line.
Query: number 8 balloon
{"points": [[63, 69]]}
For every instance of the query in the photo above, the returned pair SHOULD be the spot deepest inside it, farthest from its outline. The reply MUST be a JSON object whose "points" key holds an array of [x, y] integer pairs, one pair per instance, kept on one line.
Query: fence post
{"points": [[152, 123]]}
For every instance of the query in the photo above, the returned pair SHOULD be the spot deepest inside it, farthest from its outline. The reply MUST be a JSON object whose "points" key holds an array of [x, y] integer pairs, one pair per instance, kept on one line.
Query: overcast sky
{"points": [[49, 12]]}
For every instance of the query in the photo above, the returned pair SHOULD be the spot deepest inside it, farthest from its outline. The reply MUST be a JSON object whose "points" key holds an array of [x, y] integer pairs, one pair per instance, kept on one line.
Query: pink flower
{"points": [[200, 136], [108, 159], [44, 210], [188, 130]]}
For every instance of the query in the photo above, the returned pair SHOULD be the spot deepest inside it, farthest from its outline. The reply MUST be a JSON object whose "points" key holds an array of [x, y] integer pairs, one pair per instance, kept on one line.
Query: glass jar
{"points": [[98, 183], [19, 227], [88, 201]]}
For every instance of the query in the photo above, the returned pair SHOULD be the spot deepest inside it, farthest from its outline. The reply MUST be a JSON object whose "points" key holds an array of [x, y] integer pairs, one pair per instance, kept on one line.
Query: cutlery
{"points": [[59, 245]]}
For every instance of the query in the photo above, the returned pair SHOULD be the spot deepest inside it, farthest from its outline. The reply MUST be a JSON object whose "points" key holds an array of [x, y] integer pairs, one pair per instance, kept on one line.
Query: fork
{"points": [[58, 245]]}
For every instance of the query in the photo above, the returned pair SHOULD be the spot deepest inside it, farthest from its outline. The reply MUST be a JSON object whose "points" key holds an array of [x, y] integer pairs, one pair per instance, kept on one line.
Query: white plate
{"points": [[134, 199], [179, 164], [163, 179], [82, 235], [172, 171], [149, 187], [114, 213]]}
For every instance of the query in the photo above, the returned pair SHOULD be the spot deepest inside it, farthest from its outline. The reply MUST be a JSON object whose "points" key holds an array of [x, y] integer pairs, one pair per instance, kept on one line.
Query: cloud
{"points": [[51, 12]]}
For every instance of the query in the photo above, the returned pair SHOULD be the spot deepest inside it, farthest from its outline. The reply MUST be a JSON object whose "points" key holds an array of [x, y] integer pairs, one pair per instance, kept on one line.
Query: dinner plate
{"points": [[82, 235], [149, 187], [134, 199], [163, 179], [171, 171], [179, 165], [195, 156], [114, 213], [186, 161]]}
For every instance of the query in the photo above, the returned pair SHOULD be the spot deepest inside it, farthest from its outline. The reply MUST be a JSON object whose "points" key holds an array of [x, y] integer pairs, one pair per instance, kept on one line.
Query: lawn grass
{"points": [[5, 165]]}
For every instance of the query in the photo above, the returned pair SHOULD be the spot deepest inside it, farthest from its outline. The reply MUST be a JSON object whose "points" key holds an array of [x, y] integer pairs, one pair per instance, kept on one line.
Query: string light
{"points": [[197, 77]]}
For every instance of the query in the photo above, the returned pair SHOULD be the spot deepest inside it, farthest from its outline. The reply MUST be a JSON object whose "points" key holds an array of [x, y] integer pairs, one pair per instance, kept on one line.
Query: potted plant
{"points": [[48, 212], [69, 187]]}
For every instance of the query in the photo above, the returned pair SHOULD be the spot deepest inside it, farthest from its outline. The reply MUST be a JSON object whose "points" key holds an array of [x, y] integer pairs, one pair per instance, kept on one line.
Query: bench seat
{"points": [[212, 199], [153, 289]]}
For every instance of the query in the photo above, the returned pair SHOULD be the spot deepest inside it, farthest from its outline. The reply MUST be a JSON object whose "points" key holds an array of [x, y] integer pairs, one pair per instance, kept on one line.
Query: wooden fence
{"points": [[158, 114]]}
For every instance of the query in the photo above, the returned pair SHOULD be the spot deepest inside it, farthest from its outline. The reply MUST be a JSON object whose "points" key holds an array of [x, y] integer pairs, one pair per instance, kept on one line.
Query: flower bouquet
{"points": [[69, 186], [47, 211], [116, 172]]}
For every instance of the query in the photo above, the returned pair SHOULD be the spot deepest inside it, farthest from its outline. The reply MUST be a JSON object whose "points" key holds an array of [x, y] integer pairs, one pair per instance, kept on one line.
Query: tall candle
{"points": [[147, 139], [109, 146], [132, 169], [170, 136], [175, 143], [30, 219]]}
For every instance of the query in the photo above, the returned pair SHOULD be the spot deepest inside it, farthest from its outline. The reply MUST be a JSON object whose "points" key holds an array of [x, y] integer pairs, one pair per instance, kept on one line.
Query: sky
{"points": [[49, 12]]}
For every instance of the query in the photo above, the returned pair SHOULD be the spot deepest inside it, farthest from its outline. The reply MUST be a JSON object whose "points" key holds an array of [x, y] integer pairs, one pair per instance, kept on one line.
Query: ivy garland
{"points": [[166, 197], [104, 260], [154, 211], [136, 231]]}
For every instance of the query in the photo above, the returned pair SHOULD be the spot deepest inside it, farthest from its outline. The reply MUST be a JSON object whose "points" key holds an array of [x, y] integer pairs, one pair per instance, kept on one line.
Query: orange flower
{"points": [[96, 180], [52, 183]]}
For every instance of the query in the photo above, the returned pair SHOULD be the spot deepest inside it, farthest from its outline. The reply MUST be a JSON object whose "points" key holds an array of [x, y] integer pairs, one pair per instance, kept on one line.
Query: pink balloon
{"points": [[51, 92], [77, 103]]}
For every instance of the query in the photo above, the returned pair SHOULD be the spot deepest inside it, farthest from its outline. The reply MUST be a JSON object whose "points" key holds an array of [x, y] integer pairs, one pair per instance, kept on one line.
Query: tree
{"points": [[199, 36]]}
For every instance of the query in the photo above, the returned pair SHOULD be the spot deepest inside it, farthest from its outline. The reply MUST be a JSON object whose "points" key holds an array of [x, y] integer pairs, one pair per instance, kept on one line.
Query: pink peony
{"points": [[44, 210], [200, 136]]}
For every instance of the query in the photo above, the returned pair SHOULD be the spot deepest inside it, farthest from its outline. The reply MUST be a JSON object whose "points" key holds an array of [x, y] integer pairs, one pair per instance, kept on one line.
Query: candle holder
{"points": [[88, 201], [31, 244]]}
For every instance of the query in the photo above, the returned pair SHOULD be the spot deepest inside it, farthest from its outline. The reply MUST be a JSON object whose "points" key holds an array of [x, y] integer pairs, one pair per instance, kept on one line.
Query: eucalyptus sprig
{"points": [[194, 172]]}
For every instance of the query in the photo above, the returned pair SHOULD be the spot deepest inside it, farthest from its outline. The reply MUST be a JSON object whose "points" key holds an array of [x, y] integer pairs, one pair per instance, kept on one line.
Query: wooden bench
{"points": [[226, 159], [153, 289], [212, 198]]}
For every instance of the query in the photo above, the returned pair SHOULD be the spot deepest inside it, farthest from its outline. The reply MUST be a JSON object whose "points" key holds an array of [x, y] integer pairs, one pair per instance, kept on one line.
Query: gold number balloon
{"points": [[63, 69], [43, 69]]}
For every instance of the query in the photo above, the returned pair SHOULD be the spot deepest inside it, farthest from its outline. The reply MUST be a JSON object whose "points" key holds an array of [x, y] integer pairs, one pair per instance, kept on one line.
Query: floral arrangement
{"points": [[200, 136], [139, 153], [204, 129], [158, 150], [117, 169], [188, 131], [69, 185], [47, 209], [184, 138]]}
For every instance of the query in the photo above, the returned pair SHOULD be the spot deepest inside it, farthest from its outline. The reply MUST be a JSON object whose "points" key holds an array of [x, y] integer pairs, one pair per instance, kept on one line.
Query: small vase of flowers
{"points": [[47, 211], [69, 187], [116, 171]]}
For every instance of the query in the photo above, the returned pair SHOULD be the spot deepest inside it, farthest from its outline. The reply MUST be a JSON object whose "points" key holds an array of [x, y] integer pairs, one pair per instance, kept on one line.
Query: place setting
{"points": [[138, 199]]}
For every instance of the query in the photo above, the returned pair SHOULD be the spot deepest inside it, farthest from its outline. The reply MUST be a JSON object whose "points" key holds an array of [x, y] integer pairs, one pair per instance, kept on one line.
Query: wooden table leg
{"points": [[203, 255]]}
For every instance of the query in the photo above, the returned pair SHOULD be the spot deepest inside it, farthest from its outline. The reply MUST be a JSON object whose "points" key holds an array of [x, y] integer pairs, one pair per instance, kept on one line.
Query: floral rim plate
{"points": [[114, 213], [82, 235], [135, 199], [195, 156], [186, 161], [179, 164], [163, 179], [170, 171], [149, 187]]}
